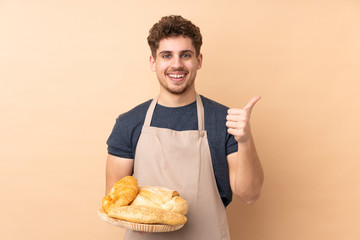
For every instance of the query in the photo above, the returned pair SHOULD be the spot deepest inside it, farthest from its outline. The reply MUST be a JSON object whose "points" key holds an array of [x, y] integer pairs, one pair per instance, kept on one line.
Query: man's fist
{"points": [[238, 120]]}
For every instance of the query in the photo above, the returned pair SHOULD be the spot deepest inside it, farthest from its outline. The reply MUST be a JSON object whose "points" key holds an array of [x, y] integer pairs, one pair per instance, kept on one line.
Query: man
{"points": [[184, 141]]}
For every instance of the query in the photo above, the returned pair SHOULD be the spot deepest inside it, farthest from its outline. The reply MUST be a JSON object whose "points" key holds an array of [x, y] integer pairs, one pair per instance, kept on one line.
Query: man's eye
{"points": [[166, 56], [186, 55]]}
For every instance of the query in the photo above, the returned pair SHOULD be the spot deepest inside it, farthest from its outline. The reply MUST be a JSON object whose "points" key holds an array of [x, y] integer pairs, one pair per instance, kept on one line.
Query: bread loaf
{"points": [[162, 198], [147, 215]]}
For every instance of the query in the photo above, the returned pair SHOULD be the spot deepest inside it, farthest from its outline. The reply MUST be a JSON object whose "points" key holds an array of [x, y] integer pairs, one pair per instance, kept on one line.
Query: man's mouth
{"points": [[176, 77]]}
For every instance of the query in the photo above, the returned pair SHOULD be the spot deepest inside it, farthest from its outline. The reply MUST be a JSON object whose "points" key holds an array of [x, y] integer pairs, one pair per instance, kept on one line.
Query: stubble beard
{"points": [[177, 90]]}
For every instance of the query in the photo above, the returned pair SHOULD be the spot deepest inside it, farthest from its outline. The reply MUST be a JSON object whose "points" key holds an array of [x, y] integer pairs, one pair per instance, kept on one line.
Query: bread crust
{"points": [[147, 215], [162, 198]]}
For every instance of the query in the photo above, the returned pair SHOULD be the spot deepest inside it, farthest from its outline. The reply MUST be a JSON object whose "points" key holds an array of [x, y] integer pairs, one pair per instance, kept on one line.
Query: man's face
{"points": [[176, 64]]}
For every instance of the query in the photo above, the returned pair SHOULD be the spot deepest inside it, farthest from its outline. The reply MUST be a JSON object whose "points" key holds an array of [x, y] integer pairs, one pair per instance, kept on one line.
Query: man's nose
{"points": [[177, 62]]}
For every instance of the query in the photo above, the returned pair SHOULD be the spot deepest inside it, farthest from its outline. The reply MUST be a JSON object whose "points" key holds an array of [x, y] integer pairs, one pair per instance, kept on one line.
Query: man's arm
{"points": [[245, 170], [117, 168]]}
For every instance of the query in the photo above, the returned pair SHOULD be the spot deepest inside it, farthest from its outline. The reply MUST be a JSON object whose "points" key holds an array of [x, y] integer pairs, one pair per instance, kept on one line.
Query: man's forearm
{"points": [[249, 173]]}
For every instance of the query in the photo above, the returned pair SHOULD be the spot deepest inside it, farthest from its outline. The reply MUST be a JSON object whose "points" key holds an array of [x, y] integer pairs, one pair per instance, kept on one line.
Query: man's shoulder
{"points": [[213, 106], [135, 114]]}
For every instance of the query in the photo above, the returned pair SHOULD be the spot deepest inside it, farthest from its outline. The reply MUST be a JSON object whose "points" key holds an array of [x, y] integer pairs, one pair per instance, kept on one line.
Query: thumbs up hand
{"points": [[238, 120]]}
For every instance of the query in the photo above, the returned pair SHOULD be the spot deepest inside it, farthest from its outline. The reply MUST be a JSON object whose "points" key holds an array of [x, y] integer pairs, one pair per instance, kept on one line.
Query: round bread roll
{"points": [[121, 194], [163, 198]]}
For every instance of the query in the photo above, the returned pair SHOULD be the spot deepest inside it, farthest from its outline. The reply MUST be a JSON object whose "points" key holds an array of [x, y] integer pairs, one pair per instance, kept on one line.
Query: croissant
{"points": [[121, 194]]}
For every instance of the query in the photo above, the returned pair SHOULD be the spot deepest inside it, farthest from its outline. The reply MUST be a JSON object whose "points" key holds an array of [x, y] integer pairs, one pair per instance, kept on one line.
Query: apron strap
{"points": [[150, 112], [199, 107], [200, 113]]}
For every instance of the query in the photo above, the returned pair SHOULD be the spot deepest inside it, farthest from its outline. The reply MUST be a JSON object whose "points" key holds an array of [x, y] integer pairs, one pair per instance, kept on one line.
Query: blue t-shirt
{"points": [[126, 132]]}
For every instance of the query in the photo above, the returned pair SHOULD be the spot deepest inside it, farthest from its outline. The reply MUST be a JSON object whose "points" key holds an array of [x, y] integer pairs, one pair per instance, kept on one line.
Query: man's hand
{"points": [[238, 121]]}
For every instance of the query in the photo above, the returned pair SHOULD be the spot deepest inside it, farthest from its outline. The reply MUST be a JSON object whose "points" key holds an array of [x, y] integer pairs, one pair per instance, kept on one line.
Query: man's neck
{"points": [[176, 100]]}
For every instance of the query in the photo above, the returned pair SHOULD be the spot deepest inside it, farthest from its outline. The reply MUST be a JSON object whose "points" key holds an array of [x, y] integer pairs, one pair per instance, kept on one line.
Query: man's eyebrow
{"points": [[183, 51], [186, 51], [164, 52]]}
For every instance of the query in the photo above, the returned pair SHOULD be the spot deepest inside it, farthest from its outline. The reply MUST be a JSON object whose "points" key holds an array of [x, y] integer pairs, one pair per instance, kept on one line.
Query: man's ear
{"points": [[152, 63], [200, 59]]}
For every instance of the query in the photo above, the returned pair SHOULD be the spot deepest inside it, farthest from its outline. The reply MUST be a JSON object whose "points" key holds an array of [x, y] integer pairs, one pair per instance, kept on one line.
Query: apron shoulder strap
{"points": [[200, 113], [150, 112]]}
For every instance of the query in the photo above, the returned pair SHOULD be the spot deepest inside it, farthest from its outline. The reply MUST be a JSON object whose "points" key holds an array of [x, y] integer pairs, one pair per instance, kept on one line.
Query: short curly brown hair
{"points": [[173, 26]]}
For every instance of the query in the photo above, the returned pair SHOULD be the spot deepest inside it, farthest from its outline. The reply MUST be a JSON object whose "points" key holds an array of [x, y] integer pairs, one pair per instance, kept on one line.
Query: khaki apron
{"points": [[181, 160]]}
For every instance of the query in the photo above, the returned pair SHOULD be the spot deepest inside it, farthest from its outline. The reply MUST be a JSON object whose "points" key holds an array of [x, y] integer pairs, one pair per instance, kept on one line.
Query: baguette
{"points": [[147, 215]]}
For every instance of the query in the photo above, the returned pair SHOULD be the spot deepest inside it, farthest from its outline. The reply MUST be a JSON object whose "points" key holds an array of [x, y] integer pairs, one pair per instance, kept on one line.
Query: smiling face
{"points": [[176, 65]]}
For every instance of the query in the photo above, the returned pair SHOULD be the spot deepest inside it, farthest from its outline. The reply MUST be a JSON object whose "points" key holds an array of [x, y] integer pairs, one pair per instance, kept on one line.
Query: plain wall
{"points": [[69, 68]]}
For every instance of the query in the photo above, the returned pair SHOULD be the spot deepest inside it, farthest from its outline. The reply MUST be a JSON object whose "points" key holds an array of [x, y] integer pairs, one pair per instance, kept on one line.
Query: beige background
{"points": [[68, 68]]}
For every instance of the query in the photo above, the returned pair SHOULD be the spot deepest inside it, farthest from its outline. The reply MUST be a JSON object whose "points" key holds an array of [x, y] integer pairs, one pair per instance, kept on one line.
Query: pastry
{"points": [[121, 194]]}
